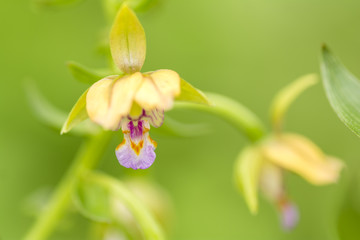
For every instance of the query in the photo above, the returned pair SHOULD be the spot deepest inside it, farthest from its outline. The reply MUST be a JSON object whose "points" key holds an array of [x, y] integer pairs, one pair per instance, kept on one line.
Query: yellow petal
{"points": [[313, 152], [110, 99], [300, 155], [168, 83], [122, 97], [98, 99], [247, 174], [305, 146], [149, 97]]}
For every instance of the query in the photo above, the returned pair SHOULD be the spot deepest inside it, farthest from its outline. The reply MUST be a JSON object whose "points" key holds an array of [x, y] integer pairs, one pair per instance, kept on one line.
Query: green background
{"points": [[245, 49]]}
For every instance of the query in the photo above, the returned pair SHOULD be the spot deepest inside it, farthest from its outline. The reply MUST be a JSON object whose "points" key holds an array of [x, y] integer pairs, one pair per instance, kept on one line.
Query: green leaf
{"points": [[85, 75], [127, 41], [51, 116], [287, 95], [342, 90], [191, 94], [93, 201], [247, 174], [77, 114]]}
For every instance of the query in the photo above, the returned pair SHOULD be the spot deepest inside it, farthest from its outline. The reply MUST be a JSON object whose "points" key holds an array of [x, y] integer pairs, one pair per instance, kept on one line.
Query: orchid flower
{"points": [[262, 165], [132, 101]]}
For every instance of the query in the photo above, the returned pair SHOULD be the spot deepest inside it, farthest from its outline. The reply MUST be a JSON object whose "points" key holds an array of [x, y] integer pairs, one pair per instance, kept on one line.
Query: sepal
{"points": [[287, 96], [127, 41], [247, 174], [77, 114], [189, 93]]}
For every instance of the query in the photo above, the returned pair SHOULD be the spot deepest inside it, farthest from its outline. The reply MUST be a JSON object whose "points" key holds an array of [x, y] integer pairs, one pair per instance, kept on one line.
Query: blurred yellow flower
{"points": [[298, 154], [261, 165]]}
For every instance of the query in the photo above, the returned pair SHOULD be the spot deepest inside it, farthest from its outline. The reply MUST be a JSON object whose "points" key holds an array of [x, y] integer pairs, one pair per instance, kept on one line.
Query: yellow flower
{"points": [[261, 165], [132, 100]]}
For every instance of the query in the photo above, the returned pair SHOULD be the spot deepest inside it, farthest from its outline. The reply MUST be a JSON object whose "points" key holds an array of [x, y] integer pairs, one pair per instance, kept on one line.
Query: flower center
{"points": [[136, 129]]}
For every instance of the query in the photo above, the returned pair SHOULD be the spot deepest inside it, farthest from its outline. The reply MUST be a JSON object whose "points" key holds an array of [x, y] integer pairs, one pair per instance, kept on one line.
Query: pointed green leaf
{"points": [[85, 75], [77, 114], [342, 90], [287, 95], [191, 94], [247, 174], [127, 41], [51, 116]]}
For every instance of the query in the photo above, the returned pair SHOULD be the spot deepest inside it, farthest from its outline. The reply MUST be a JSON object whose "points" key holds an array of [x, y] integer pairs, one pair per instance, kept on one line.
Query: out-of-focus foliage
{"points": [[54, 118], [244, 49], [86, 75]]}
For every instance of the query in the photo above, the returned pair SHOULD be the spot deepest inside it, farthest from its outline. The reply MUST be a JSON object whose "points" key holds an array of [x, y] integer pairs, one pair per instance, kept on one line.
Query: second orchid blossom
{"points": [[262, 165], [132, 100]]}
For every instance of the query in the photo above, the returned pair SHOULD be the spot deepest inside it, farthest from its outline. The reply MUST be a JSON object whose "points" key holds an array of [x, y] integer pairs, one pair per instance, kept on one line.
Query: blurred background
{"points": [[245, 49]]}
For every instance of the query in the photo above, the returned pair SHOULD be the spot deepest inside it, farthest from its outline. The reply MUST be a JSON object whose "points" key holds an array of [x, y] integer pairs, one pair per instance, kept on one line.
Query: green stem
{"points": [[150, 227], [87, 157], [231, 111]]}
